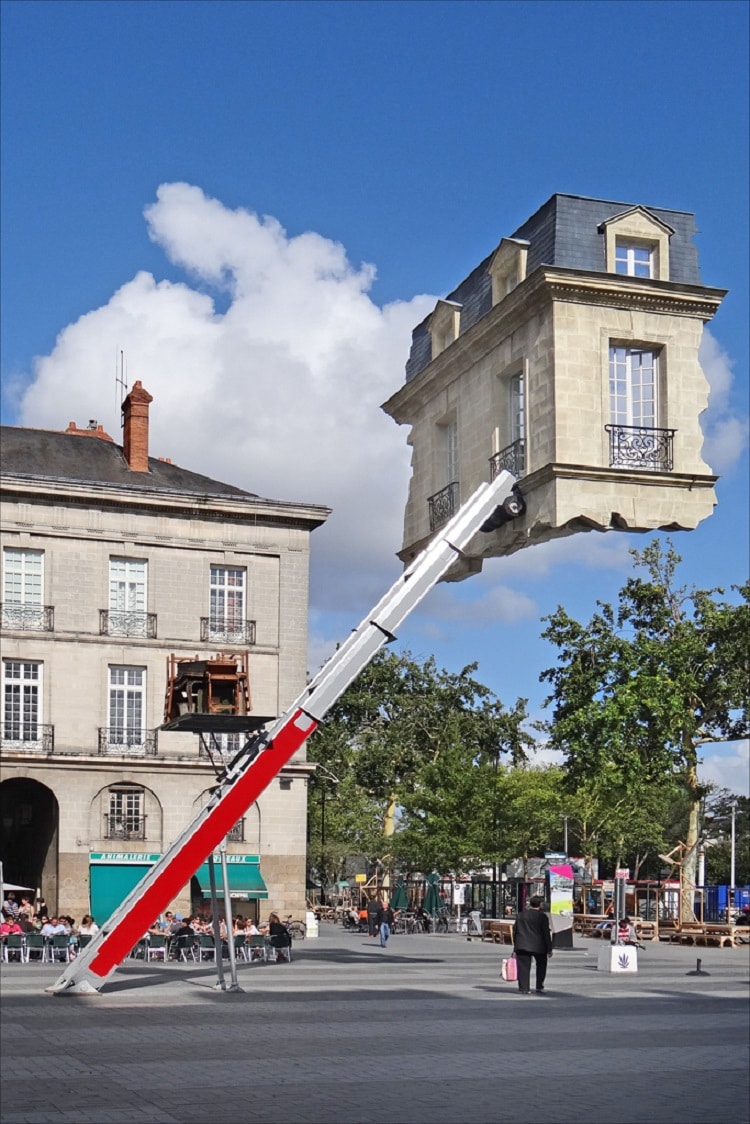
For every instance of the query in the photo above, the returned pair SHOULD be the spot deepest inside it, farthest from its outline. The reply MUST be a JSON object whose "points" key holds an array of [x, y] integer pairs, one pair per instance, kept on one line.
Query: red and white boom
{"points": [[265, 754]]}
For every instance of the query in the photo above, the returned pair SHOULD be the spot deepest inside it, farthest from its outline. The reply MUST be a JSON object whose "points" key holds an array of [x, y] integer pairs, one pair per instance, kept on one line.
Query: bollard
{"points": [[698, 971]]}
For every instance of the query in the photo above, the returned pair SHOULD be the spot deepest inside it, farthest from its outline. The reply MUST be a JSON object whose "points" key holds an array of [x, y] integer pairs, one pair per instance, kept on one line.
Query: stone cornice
{"points": [[181, 505], [541, 289], [559, 471]]}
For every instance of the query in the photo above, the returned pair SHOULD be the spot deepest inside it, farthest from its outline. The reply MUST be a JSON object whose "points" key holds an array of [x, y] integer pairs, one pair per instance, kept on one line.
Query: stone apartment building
{"points": [[569, 356], [111, 561]]}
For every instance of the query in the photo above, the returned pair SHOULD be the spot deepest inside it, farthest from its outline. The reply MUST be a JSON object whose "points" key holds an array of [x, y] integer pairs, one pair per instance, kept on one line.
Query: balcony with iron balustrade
{"points": [[30, 737], [641, 447], [443, 505], [124, 827], [511, 459], [19, 616], [116, 622], [217, 630], [117, 742]]}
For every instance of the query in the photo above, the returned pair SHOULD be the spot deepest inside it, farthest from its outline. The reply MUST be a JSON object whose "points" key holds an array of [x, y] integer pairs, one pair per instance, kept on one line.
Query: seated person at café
{"points": [[279, 936], [8, 927], [88, 927], [182, 938], [53, 928]]}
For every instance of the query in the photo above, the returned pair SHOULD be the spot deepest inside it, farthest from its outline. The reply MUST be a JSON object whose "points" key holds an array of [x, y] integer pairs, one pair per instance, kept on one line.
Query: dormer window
{"points": [[637, 244], [634, 259], [444, 326], [508, 267]]}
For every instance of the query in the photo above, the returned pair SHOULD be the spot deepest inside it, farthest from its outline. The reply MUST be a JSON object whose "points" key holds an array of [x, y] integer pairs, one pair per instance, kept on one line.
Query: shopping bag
{"points": [[509, 969]]}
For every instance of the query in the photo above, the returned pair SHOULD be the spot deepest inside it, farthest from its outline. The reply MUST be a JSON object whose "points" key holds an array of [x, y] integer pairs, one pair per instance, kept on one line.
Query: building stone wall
{"points": [[79, 526], [555, 329]]}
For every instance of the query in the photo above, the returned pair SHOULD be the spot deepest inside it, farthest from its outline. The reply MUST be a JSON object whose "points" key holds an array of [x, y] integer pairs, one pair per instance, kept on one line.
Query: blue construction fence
{"points": [[717, 898]]}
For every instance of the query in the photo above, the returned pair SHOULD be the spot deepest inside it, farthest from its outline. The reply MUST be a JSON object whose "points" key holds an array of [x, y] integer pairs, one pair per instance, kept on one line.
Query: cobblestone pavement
{"points": [[422, 1032]]}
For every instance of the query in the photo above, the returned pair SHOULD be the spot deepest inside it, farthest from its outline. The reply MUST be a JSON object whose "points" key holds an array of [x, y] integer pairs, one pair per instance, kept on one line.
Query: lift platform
{"points": [[268, 749]]}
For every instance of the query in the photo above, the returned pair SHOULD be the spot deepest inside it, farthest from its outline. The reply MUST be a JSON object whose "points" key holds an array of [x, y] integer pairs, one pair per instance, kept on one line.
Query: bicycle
{"points": [[296, 929]]}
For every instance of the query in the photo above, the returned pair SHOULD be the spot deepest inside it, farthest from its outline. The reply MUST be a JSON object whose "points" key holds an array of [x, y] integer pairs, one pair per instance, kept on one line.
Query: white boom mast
{"points": [[264, 755]]}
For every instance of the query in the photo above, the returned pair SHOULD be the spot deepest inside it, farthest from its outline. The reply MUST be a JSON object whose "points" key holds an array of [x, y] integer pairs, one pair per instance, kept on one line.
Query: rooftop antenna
{"points": [[121, 380]]}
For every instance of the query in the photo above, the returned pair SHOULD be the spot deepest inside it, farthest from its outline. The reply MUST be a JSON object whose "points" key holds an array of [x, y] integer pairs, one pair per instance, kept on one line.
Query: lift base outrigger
{"points": [[265, 752]]}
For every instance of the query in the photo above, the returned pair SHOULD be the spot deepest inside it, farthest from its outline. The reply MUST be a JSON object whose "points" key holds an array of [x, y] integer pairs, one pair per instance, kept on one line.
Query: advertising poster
{"points": [[561, 888]]}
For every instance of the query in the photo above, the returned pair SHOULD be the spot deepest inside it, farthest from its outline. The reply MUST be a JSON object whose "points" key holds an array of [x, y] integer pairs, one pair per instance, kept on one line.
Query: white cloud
{"points": [[725, 432], [280, 394], [727, 766]]}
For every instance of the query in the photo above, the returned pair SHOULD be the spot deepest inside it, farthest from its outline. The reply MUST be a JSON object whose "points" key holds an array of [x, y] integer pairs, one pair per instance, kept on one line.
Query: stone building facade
{"points": [[569, 356], [112, 560]]}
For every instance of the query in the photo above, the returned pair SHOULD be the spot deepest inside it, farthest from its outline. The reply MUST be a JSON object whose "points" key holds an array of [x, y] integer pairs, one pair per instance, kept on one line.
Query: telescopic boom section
{"points": [[265, 754]]}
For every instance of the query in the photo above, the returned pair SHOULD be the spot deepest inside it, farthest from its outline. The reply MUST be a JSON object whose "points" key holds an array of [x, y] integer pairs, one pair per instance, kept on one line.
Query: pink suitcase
{"points": [[509, 969]]}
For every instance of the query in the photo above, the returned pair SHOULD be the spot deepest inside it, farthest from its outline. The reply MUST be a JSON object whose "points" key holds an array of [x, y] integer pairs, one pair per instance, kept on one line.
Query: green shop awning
{"points": [[245, 880]]}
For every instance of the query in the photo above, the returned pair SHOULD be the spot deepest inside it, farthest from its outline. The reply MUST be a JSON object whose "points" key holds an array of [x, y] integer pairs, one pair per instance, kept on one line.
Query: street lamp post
{"points": [[326, 775], [733, 856], [565, 843]]}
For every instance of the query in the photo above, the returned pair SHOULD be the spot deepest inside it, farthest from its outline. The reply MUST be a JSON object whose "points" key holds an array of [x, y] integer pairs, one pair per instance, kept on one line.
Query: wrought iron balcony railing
{"points": [[124, 827], [641, 447], [217, 629], [32, 737], [237, 833], [135, 743], [116, 622], [443, 505], [28, 618], [512, 459], [222, 746]]}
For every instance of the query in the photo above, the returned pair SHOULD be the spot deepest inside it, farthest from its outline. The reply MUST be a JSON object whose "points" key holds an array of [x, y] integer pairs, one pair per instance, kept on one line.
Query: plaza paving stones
{"points": [[422, 1032]]}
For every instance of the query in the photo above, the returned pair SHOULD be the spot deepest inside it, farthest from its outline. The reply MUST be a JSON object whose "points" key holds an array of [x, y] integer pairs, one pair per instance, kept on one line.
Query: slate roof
{"points": [[564, 232], [51, 455]]}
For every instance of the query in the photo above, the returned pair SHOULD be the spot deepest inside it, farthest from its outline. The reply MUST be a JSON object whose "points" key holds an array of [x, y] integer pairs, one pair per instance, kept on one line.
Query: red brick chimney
{"points": [[135, 428]]}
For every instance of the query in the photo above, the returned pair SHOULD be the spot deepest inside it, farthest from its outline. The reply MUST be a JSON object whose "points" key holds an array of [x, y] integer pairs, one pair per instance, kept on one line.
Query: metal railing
{"points": [[237, 833], [640, 446], [116, 622], [443, 505], [27, 618], [217, 629], [136, 743], [511, 459], [124, 827], [34, 737]]}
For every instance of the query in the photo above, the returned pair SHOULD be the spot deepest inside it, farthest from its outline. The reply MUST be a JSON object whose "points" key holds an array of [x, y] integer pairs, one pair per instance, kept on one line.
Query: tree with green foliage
{"points": [[641, 687], [418, 748], [723, 807]]}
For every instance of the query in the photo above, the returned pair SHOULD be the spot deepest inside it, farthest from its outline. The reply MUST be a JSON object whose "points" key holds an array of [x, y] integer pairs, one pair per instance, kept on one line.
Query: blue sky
{"points": [[256, 202]]}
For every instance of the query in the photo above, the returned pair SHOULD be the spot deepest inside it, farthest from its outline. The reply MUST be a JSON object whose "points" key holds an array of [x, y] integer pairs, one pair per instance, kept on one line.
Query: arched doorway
{"points": [[29, 823]]}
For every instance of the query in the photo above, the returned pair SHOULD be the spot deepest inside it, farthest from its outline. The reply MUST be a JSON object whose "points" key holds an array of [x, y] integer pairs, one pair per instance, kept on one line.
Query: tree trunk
{"points": [[690, 858]]}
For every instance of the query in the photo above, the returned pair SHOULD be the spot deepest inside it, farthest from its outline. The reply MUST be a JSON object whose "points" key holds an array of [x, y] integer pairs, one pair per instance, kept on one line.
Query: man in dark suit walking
{"points": [[532, 937]]}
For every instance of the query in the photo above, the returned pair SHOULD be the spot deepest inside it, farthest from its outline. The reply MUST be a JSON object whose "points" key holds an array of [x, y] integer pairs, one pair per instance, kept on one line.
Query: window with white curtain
{"points": [[127, 705], [22, 700]]}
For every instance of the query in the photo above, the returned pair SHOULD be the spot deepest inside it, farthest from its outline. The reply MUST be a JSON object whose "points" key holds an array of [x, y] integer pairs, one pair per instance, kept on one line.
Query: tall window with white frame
{"points": [[22, 702], [636, 441], [127, 707], [226, 620], [634, 259], [23, 585], [125, 818], [518, 423], [450, 450], [127, 597], [443, 505]]}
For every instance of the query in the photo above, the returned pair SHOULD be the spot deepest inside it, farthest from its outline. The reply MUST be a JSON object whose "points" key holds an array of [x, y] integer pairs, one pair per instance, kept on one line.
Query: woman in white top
{"points": [[88, 927]]}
